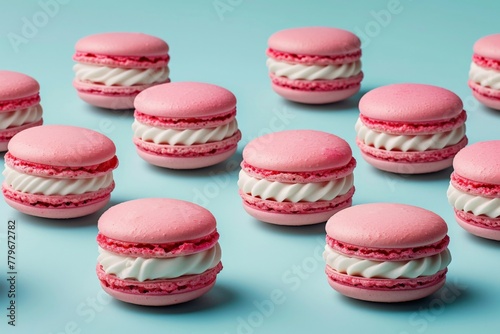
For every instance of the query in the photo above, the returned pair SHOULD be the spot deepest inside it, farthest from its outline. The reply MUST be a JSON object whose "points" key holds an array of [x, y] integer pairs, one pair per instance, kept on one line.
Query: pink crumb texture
{"points": [[110, 91], [386, 226], [410, 103], [300, 177], [156, 221], [477, 162], [340, 84], [304, 59], [185, 100], [483, 227], [211, 121], [122, 49], [15, 86], [493, 64], [165, 250], [488, 47], [315, 41], [487, 96], [297, 151], [420, 128], [315, 97], [18, 104], [474, 187], [7, 134]]}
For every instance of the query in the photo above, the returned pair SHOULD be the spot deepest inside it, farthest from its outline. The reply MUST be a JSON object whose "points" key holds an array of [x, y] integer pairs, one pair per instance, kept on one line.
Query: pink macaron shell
{"points": [[309, 96], [410, 103], [7, 134], [386, 225], [122, 44], [407, 167], [479, 162], [488, 46], [385, 296], [62, 145], [181, 162], [114, 102], [322, 41], [185, 100], [487, 96], [297, 151], [15, 85], [186, 123], [469, 224]]}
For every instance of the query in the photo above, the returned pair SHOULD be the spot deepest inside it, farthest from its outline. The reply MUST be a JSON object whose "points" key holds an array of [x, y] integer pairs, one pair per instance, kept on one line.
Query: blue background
{"points": [[273, 279]]}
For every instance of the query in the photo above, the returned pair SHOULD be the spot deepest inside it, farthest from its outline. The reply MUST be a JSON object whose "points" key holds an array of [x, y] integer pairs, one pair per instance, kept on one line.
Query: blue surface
{"points": [[273, 279]]}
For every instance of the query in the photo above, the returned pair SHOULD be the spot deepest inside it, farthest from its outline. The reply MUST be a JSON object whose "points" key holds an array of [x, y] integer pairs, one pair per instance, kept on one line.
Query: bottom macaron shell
{"points": [[407, 167], [7, 134], [58, 213], [116, 102], [479, 226], [385, 290], [487, 96], [315, 97], [158, 292]]}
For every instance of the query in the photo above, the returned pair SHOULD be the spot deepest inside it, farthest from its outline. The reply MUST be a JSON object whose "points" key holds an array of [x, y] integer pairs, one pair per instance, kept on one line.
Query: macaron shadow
{"points": [[313, 229], [489, 243], [435, 176], [219, 296], [129, 113]]}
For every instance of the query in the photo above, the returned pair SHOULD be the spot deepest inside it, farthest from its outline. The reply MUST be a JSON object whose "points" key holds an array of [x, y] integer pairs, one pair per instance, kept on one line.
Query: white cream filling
{"points": [[141, 269], [407, 143], [111, 76], [478, 205], [185, 136], [352, 266], [20, 117], [486, 77], [313, 72], [294, 192], [51, 186]]}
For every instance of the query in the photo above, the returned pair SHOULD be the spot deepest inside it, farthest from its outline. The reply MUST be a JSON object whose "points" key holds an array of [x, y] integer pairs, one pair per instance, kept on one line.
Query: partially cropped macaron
{"points": [[185, 125], [474, 190], [157, 251], [314, 65], [484, 73], [386, 252], [296, 177], [19, 105], [112, 68], [58, 171], [410, 128]]}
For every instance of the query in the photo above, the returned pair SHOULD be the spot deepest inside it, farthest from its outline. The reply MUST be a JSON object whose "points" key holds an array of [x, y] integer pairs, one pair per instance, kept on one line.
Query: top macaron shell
{"points": [[319, 41], [488, 46], [157, 221], [185, 100], [298, 151], [386, 225], [15, 85], [62, 145], [479, 162], [410, 103]]}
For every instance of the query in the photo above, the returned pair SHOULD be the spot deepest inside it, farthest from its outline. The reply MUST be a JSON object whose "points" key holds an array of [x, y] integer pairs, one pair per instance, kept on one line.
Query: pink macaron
{"points": [[484, 74], [410, 128], [112, 68], [296, 177], [386, 252], [57, 171], [19, 105], [315, 65], [157, 251], [474, 190], [185, 125]]}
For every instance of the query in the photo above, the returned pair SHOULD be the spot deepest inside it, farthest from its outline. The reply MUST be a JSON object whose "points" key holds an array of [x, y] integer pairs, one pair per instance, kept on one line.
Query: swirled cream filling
{"points": [[294, 192], [313, 72], [426, 266], [51, 186], [22, 116], [115, 76], [407, 143], [478, 205], [486, 77], [141, 269], [185, 136]]}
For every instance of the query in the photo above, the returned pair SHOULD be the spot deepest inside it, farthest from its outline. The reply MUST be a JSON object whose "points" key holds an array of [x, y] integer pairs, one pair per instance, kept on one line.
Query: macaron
{"points": [[314, 65], [484, 73], [19, 105], [474, 190], [157, 251], [57, 171], [112, 68], [410, 128], [386, 252], [296, 177], [185, 125]]}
